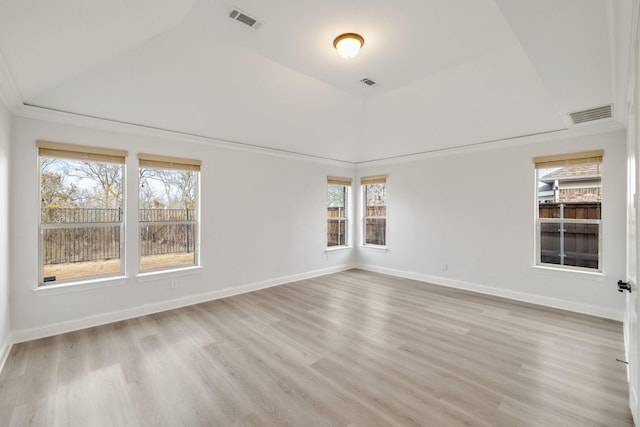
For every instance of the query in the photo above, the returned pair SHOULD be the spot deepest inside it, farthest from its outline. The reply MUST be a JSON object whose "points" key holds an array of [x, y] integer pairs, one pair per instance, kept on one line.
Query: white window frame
{"points": [[166, 163], [346, 184], [364, 182], [48, 149], [564, 159]]}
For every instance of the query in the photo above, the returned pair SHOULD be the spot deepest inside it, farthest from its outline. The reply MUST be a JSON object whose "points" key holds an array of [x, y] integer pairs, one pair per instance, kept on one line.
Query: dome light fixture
{"points": [[348, 44]]}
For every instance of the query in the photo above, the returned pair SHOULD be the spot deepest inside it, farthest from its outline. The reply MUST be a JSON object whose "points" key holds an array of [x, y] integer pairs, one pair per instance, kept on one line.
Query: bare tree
{"points": [[185, 181], [47, 163], [376, 199], [108, 190], [336, 196], [174, 188], [147, 197]]}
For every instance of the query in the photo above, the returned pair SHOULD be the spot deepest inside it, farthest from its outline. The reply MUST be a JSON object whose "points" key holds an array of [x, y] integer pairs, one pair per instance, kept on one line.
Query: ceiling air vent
{"points": [[240, 16], [367, 81], [598, 113]]}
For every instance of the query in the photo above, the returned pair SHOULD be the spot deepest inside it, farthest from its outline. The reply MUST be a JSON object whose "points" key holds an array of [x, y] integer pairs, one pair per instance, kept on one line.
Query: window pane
{"points": [[336, 200], [167, 245], [167, 217], [550, 243], [573, 191], [336, 215], [581, 245], [375, 199], [375, 231], [570, 184], [375, 211], [81, 218], [73, 253], [336, 232], [574, 245]]}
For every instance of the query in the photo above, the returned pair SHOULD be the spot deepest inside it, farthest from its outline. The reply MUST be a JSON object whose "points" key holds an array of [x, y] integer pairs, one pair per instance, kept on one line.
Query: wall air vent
{"points": [[368, 81], [592, 114], [240, 16]]}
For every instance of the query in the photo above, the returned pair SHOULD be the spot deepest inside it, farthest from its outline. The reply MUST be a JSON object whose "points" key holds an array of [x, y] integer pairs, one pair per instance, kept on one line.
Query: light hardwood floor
{"points": [[349, 349]]}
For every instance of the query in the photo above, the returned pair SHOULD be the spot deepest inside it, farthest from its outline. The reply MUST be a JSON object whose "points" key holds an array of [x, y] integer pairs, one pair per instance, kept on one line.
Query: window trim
{"points": [[171, 163], [560, 160], [73, 152], [92, 283], [370, 180], [346, 183]]}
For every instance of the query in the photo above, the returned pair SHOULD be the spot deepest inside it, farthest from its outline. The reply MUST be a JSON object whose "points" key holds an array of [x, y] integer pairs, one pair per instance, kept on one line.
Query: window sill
{"points": [[172, 272], [338, 249], [591, 275], [84, 285], [375, 248]]}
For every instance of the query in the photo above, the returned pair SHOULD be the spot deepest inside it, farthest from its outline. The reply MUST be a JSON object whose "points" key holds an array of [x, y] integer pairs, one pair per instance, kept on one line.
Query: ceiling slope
{"points": [[575, 62], [448, 73]]}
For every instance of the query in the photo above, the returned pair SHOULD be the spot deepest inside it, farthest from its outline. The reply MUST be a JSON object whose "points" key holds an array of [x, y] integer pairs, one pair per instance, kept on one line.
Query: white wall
{"points": [[263, 222], [5, 333], [475, 211]]}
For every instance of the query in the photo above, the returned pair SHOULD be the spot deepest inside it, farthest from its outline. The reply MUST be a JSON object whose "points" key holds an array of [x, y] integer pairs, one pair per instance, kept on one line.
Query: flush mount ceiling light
{"points": [[348, 44]]}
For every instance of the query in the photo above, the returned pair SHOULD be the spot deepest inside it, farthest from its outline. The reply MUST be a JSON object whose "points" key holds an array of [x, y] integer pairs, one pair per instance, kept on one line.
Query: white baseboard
{"points": [[115, 316], [5, 349], [592, 310]]}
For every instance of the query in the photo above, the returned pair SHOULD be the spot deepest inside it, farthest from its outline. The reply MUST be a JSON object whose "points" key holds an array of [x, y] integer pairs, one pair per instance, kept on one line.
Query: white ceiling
{"points": [[450, 72]]}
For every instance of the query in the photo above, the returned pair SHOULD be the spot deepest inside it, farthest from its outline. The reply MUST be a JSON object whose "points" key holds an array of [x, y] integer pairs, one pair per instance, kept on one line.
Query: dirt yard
{"points": [[97, 268]]}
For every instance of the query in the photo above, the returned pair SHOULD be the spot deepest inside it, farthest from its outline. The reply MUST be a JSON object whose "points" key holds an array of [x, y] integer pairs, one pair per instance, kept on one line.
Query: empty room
{"points": [[331, 213]]}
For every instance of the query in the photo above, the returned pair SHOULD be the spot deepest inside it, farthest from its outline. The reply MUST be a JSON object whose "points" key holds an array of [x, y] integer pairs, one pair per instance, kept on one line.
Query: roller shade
{"points": [[378, 179], [569, 159], [336, 180], [80, 152], [164, 162]]}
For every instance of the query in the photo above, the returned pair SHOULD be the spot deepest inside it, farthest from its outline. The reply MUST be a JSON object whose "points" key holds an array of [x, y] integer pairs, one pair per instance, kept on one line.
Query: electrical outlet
{"points": [[173, 284], [444, 266]]}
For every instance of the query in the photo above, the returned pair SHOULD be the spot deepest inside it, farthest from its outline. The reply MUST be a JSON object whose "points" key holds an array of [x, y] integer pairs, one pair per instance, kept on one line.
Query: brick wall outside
{"points": [[568, 195]]}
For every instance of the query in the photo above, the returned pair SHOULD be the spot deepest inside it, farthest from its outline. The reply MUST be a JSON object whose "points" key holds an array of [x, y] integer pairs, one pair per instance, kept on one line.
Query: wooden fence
{"points": [[375, 228], [336, 227], [581, 241], [571, 210]]}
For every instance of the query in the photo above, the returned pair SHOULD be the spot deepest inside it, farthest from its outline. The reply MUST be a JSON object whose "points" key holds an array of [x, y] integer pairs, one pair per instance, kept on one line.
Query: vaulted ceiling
{"points": [[449, 73]]}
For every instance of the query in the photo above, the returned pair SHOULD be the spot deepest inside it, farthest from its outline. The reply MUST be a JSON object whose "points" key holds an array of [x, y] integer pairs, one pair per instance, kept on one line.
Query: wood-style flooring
{"points": [[349, 349]]}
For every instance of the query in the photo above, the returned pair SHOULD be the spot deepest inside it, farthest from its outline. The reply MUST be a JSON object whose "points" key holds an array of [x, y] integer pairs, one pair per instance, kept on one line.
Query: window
{"points": [[569, 210], [375, 210], [81, 212], [337, 211], [168, 212]]}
